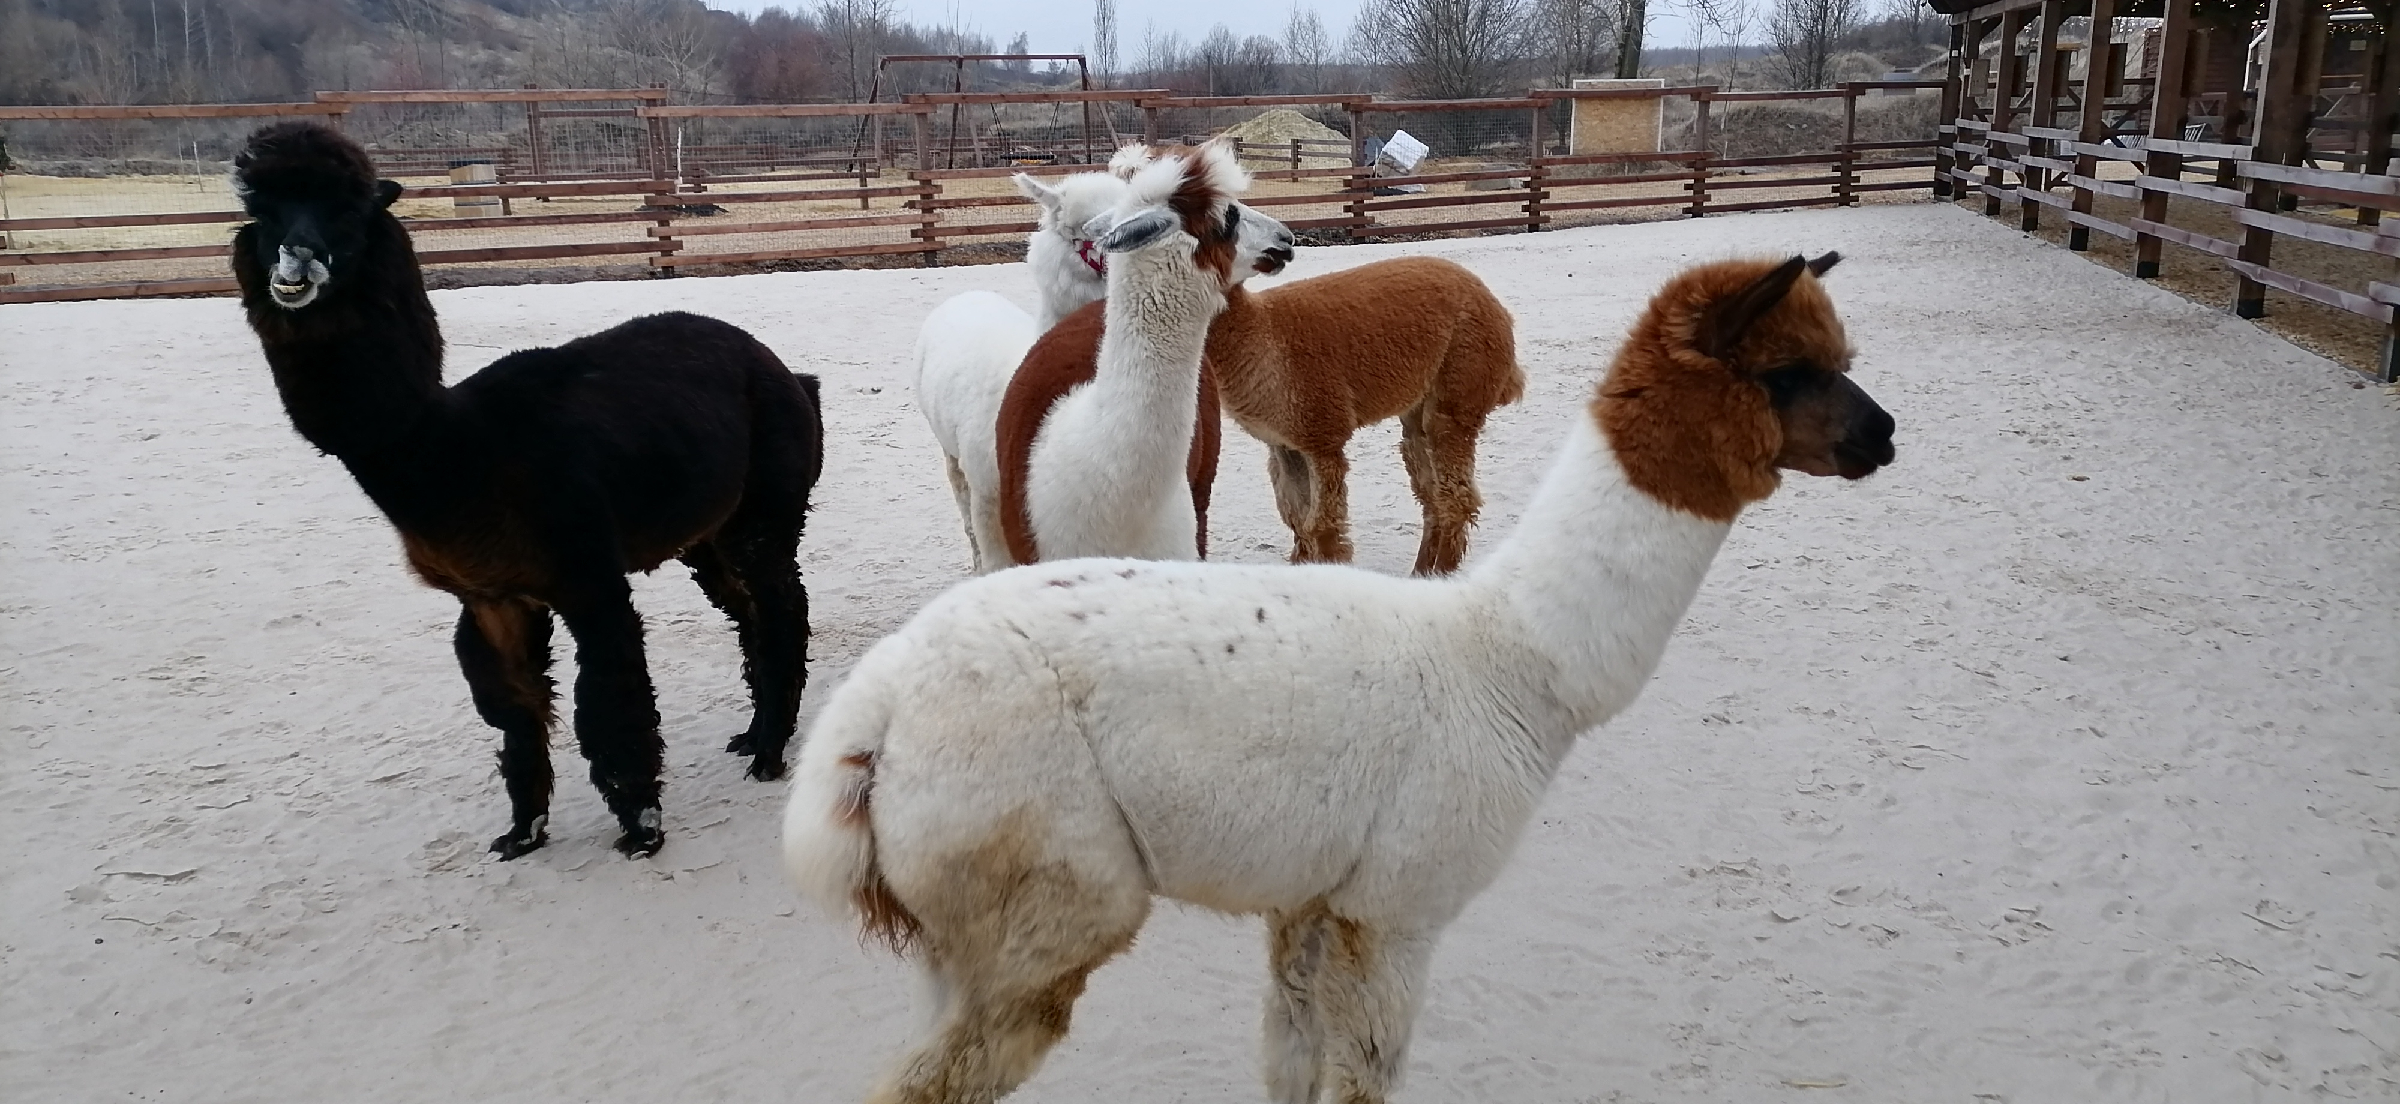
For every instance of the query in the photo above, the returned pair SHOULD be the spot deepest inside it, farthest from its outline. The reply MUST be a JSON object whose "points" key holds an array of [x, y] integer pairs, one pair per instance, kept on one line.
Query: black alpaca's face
{"points": [[301, 241]]}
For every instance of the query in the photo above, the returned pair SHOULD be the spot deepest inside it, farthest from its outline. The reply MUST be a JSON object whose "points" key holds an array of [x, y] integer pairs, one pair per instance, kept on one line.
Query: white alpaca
{"points": [[1107, 474], [970, 345], [1006, 782]]}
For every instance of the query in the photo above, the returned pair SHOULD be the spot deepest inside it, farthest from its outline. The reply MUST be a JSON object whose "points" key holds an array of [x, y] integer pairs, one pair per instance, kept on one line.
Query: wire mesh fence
{"points": [[616, 182]]}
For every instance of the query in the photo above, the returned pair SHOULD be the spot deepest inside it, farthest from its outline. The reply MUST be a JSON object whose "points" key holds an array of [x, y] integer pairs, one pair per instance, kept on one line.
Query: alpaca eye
{"points": [[1785, 384], [1233, 220]]}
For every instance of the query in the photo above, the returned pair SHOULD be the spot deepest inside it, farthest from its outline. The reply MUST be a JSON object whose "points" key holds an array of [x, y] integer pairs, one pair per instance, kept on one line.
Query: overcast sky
{"points": [[1065, 26]]}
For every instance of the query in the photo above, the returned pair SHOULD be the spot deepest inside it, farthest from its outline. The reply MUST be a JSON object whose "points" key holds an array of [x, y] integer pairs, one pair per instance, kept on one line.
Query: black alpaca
{"points": [[538, 483]]}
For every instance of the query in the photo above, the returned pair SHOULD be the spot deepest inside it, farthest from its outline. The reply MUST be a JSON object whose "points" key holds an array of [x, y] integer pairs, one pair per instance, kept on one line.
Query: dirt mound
{"points": [[1279, 128]]}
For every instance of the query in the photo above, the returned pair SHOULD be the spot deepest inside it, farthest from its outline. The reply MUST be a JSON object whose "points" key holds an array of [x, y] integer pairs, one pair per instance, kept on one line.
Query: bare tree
{"points": [[1804, 33], [1305, 49], [1571, 38], [1104, 40], [666, 40], [858, 29], [1443, 49], [1732, 20], [1633, 20]]}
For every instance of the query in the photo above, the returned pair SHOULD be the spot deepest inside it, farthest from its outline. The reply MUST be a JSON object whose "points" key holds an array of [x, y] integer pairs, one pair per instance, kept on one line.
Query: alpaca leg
{"points": [[1329, 526], [1416, 454], [1368, 989], [1295, 497], [726, 591], [504, 649], [966, 509], [775, 654], [1454, 503], [1010, 935], [1294, 1044], [616, 712]]}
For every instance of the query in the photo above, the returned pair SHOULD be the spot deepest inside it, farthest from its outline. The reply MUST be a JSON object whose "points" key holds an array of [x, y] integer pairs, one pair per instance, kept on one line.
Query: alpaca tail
{"points": [[828, 829]]}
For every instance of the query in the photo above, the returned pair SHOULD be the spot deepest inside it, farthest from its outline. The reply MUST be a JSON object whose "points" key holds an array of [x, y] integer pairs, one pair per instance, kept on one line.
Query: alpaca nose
{"points": [[1867, 442]]}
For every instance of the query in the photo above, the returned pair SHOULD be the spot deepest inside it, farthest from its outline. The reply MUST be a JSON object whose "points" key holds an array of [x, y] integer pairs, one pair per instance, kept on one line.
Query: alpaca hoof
{"points": [[641, 843], [742, 744], [512, 845], [764, 769], [643, 837]]}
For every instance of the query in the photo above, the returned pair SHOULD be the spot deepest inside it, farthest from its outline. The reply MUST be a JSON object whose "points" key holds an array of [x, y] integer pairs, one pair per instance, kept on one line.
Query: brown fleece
{"points": [[1697, 431], [1302, 366], [1067, 356]]}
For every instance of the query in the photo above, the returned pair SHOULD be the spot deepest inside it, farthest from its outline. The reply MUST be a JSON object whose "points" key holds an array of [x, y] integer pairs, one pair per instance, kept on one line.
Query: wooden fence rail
{"points": [[739, 202], [2005, 119]]}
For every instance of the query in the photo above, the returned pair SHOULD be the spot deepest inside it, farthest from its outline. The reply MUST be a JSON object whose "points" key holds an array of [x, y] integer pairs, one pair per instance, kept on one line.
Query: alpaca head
{"points": [[1736, 370], [1066, 207], [1183, 198], [314, 199]]}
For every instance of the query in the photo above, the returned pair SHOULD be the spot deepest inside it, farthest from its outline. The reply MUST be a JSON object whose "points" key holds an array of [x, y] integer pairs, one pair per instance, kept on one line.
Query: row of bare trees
{"points": [[1463, 48], [131, 51], [165, 51]]}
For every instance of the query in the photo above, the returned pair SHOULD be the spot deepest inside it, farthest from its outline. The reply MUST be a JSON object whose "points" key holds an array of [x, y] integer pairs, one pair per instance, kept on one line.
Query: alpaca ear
{"points": [[1037, 191], [1138, 231], [1127, 160], [1824, 264], [1726, 321], [386, 192]]}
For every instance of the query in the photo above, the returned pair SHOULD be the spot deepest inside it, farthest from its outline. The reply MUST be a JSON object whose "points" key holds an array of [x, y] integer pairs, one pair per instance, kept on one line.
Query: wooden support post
{"points": [[2092, 127], [1848, 188], [1149, 125], [1537, 184], [1700, 144], [2170, 101], [2048, 66], [1953, 94], [2281, 126], [654, 139], [533, 138], [2383, 95], [2311, 78], [1361, 183], [929, 225], [2004, 104]]}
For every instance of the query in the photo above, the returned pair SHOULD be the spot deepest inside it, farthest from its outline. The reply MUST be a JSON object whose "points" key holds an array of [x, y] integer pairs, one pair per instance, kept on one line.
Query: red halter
{"points": [[1097, 261]]}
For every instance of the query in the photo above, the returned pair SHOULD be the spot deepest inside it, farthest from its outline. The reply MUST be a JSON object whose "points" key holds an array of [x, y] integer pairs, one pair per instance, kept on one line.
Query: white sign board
{"points": [[1404, 150]]}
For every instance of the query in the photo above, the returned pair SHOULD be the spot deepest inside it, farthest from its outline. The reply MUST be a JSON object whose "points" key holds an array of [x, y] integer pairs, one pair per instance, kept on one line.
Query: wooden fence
{"points": [[887, 185], [2016, 133]]}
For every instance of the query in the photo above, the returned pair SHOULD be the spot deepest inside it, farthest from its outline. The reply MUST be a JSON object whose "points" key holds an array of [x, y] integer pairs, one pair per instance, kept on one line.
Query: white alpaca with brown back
{"points": [[1107, 475], [970, 345], [1002, 786]]}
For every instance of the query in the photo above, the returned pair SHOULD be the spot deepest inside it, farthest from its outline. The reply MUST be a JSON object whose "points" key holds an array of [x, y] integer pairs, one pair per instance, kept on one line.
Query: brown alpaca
{"points": [[1303, 366], [1063, 359]]}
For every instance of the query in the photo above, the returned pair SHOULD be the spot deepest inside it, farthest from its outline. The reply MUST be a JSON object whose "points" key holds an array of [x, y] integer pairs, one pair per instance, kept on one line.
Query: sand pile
{"points": [[1278, 128]]}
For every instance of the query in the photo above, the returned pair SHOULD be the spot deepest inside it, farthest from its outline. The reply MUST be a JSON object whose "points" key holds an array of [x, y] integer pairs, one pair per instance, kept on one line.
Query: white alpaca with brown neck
{"points": [[1006, 782], [970, 345], [1107, 474]]}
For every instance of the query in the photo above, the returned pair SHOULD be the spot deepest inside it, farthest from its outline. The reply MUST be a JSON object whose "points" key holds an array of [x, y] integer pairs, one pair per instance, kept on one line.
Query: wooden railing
{"points": [[2006, 139], [888, 193]]}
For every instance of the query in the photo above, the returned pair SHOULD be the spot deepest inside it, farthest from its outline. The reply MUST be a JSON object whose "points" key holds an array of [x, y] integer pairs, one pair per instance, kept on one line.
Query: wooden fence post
{"points": [[2383, 81], [2092, 126], [1707, 152], [2048, 66], [2279, 129], [1954, 78], [2170, 101], [929, 227], [1847, 189], [1149, 124], [2004, 107], [1361, 181]]}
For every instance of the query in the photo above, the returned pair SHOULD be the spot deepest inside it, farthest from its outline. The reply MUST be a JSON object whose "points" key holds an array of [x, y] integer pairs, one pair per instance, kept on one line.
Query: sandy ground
{"points": [[2055, 763]]}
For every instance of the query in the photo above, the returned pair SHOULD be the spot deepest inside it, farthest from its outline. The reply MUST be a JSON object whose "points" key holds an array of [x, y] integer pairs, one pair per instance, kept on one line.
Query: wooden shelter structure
{"points": [[2259, 106]]}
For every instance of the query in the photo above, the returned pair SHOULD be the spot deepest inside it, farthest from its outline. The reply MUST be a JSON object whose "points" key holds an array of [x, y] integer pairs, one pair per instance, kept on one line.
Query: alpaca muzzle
{"points": [[297, 278]]}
